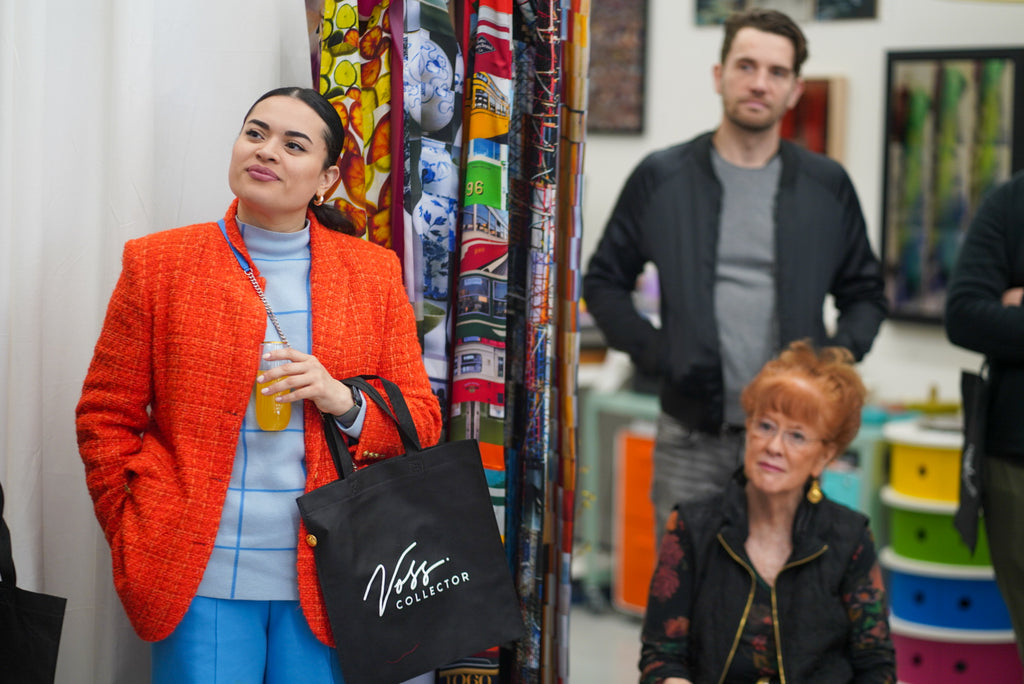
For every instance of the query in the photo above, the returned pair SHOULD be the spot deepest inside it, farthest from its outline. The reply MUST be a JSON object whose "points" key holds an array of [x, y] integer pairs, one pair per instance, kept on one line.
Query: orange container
{"points": [[634, 552]]}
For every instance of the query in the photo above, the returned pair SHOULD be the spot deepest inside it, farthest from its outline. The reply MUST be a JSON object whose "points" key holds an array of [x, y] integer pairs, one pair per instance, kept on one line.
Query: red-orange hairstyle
{"points": [[817, 387]]}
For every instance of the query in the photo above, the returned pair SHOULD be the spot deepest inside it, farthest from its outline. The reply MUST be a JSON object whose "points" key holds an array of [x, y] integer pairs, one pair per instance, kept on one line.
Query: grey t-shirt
{"points": [[745, 275]]}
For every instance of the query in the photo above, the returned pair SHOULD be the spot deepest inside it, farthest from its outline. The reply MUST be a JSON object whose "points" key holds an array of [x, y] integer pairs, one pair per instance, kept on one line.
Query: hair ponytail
{"points": [[329, 216]]}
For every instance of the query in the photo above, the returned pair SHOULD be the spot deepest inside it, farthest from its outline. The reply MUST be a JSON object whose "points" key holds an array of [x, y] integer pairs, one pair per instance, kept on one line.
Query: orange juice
{"points": [[270, 415]]}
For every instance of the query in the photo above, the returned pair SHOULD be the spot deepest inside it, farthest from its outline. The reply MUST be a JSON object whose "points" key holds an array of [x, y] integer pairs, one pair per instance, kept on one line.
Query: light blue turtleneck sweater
{"points": [[254, 553]]}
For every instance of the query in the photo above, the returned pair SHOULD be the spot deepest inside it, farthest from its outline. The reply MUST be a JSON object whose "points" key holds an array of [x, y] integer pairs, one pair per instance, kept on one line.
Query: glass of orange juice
{"points": [[271, 416]]}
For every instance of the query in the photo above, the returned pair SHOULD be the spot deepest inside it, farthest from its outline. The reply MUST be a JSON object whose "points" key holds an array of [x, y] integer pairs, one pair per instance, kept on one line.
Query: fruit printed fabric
{"points": [[355, 76]]}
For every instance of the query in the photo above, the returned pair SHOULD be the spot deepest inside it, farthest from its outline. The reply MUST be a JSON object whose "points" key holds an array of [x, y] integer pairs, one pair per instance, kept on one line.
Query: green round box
{"points": [[922, 529]]}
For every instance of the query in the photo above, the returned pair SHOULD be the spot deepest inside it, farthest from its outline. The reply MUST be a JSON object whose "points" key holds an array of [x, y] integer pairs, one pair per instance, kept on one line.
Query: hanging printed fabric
{"points": [[478, 386], [314, 26], [576, 60], [537, 562], [432, 97], [519, 499], [355, 75], [479, 370]]}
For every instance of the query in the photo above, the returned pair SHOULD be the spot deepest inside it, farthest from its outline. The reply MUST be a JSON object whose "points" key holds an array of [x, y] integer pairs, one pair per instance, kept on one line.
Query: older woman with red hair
{"points": [[770, 581]]}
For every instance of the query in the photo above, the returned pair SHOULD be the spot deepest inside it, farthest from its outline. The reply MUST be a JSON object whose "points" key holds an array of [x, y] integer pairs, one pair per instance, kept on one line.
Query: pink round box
{"points": [[937, 655]]}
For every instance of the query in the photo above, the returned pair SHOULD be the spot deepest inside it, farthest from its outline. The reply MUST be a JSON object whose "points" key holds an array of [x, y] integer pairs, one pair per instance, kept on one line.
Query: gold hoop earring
{"points": [[814, 494], [319, 199]]}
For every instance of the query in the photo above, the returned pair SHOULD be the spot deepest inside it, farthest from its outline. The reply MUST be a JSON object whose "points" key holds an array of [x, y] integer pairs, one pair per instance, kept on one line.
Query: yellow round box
{"points": [[924, 462]]}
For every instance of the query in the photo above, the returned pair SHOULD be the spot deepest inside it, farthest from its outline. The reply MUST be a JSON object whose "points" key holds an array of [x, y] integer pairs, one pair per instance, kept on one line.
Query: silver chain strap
{"points": [[266, 304]]}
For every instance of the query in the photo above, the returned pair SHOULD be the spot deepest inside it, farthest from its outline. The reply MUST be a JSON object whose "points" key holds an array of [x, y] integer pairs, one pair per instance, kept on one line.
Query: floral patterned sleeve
{"points": [[863, 594], [666, 628]]}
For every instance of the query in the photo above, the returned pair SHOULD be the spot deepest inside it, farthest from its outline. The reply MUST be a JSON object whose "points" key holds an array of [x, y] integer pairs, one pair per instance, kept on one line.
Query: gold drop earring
{"points": [[814, 494]]}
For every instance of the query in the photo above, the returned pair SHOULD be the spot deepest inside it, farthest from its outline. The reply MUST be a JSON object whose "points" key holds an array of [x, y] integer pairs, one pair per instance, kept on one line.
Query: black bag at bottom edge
{"points": [[30, 623], [409, 555]]}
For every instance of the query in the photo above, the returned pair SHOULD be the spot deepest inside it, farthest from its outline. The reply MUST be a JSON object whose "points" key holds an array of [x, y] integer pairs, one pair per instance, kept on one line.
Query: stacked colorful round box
{"points": [[949, 622]]}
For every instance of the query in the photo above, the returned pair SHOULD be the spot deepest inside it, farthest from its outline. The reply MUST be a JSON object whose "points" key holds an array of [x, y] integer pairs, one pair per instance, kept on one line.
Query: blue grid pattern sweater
{"points": [[254, 554]]}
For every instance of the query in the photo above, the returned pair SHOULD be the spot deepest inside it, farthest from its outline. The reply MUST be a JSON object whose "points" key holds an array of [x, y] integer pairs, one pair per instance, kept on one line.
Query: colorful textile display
{"points": [[502, 354]]}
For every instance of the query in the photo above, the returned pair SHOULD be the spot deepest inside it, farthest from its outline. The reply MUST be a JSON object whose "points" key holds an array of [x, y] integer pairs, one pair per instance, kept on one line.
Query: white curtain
{"points": [[116, 120]]}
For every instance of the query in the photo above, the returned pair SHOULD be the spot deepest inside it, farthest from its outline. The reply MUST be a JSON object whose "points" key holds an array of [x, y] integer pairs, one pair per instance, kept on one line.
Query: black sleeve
{"points": [[858, 286], [665, 638], [863, 594], [976, 318], [611, 278]]}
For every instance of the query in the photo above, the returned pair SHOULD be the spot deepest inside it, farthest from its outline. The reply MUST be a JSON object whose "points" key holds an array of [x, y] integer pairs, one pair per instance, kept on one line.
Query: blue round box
{"points": [[954, 596]]}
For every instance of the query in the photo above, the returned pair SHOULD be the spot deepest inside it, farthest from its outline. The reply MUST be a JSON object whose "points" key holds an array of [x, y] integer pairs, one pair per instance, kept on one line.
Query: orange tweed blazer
{"points": [[167, 390]]}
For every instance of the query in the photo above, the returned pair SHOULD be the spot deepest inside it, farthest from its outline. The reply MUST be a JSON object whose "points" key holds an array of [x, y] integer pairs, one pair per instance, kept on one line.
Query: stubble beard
{"points": [[749, 126]]}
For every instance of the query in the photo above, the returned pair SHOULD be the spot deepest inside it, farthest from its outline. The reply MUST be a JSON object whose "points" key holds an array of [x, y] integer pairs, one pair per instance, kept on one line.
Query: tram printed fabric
{"points": [[480, 364]]}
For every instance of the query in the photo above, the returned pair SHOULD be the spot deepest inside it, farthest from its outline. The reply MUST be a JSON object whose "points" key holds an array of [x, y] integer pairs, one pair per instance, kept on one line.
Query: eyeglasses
{"points": [[797, 440]]}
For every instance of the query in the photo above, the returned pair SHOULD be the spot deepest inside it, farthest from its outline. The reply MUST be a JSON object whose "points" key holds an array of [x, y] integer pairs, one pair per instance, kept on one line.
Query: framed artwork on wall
{"points": [[949, 139], [818, 121], [615, 101], [710, 12]]}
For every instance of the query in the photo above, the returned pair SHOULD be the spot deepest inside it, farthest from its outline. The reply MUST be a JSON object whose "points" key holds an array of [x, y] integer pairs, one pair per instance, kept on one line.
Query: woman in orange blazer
{"points": [[167, 401]]}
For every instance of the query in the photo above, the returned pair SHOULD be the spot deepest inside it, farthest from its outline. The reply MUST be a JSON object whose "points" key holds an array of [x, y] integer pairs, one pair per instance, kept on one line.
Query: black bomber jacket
{"points": [[668, 213]]}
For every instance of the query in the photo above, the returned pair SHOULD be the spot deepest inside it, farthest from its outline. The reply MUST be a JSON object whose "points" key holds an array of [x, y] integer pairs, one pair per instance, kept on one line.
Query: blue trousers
{"points": [[223, 641]]}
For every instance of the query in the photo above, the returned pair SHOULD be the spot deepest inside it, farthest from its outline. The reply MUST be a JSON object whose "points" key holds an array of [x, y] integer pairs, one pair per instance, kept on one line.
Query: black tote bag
{"points": [[409, 555], [30, 623], [974, 394]]}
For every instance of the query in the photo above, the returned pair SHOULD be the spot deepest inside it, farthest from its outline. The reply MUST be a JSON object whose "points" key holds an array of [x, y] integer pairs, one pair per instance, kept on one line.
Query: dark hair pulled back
{"points": [[328, 215]]}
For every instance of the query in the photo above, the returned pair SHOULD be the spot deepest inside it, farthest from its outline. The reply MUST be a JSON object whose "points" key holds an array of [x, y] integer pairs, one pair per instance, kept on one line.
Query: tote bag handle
{"points": [[401, 416]]}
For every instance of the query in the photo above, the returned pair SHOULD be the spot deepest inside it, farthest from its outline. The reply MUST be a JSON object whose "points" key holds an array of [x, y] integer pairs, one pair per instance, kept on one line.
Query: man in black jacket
{"points": [[984, 314], [749, 233]]}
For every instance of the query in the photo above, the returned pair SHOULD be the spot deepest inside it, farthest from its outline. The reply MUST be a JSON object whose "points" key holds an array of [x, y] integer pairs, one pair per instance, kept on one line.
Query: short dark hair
{"points": [[334, 137], [769, 21]]}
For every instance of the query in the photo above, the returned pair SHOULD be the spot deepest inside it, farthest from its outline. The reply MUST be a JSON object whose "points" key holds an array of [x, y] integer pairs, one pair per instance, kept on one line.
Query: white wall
{"points": [[907, 359]]}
